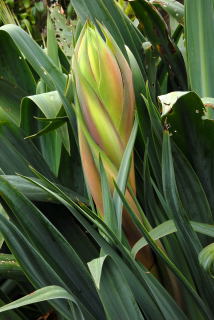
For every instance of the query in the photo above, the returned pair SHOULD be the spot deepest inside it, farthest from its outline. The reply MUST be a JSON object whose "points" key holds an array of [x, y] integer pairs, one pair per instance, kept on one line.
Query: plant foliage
{"points": [[63, 255]]}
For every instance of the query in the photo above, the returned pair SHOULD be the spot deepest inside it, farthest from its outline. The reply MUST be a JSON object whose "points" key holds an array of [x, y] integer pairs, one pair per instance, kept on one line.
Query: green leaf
{"points": [[52, 47], [203, 228], [52, 246], [52, 125], [206, 259], [44, 294], [151, 61], [9, 268], [2, 211], [155, 29], [62, 29], [110, 216], [186, 236], [138, 80], [16, 80], [153, 135], [41, 63], [10, 314], [49, 104], [193, 135], [35, 56], [152, 208], [17, 153], [78, 239], [37, 270], [34, 193], [194, 198], [123, 175], [172, 266], [168, 227], [6, 15], [116, 295], [173, 8], [55, 121], [199, 29], [142, 284], [70, 171]]}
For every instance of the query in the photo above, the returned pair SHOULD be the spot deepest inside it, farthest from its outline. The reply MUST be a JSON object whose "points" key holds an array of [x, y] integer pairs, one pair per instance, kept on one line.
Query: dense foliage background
{"points": [[79, 260]]}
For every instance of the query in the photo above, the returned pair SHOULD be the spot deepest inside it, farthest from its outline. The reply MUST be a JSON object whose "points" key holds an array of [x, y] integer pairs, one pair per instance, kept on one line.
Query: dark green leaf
{"points": [[44, 294], [123, 175], [52, 247], [187, 237], [156, 31], [116, 295], [35, 193], [206, 259], [169, 227], [193, 135], [17, 154], [34, 266], [110, 216], [199, 29], [9, 268], [16, 80], [42, 65]]}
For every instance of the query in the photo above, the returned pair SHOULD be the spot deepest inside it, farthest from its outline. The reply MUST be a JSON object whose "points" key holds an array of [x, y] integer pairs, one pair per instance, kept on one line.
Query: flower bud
{"points": [[106, 99], [105, 114]]}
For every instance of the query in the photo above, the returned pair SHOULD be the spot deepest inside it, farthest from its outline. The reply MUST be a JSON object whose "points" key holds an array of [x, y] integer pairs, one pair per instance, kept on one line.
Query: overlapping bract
{"points": [[105, 114], [106, 98]]}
